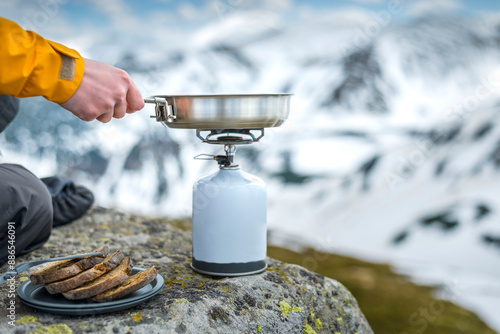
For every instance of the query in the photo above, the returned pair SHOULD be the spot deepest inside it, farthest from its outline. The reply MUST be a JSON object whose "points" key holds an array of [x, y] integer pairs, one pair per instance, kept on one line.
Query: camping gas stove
{"points": [[229, 206]]}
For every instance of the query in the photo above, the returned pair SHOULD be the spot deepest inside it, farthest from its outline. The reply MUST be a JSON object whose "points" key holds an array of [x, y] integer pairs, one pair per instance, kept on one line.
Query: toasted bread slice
{"points": [[59, 270], [110, 262], [105, 282], [133, 283]]}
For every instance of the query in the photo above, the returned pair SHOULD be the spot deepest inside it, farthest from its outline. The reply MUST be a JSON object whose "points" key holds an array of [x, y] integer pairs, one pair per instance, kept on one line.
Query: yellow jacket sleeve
{"points": [[33, 66]]}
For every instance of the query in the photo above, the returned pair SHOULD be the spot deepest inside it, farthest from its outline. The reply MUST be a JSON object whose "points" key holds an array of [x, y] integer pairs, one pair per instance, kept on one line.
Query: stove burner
{"points": [[234, 139], [230, 136]]}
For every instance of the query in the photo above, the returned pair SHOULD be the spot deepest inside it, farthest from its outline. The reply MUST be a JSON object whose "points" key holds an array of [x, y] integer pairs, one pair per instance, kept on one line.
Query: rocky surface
{"points": [[284, 299]]}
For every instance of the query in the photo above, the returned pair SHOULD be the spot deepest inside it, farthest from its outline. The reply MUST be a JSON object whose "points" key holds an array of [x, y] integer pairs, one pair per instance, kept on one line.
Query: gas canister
{"points": [[229, 222]]}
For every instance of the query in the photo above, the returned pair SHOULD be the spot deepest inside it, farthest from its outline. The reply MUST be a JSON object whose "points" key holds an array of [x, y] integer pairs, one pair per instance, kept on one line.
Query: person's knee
{"points": [[24, 190], [28, 204]]}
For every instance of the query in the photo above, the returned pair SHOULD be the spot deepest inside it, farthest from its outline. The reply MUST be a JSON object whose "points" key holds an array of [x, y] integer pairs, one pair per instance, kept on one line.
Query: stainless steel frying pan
{"points": [[205, 112]]}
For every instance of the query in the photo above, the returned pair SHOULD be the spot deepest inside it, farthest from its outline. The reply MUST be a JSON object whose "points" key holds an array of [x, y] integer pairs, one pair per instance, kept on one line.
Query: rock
{"points": [[284, 299]]}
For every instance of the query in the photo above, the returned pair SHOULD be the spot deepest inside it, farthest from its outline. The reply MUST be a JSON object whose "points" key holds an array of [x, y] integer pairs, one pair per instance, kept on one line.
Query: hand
{"points": [[104, 92]]}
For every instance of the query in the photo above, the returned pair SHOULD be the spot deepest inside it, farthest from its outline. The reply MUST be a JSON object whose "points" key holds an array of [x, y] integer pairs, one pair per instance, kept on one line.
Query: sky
{"points": [[415, 7], [90, 25], [109, 12]]}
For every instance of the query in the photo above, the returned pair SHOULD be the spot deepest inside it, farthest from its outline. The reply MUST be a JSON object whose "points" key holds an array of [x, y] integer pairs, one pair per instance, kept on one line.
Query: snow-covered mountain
{"points": [[392, 151]]}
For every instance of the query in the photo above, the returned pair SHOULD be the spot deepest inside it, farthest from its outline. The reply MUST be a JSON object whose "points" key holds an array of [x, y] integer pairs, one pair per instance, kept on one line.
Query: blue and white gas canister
{"points": [[229, 223]]}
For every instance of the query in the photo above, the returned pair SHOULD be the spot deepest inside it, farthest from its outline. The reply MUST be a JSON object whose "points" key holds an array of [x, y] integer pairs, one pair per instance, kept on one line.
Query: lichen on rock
{"points": [[284, 298]]}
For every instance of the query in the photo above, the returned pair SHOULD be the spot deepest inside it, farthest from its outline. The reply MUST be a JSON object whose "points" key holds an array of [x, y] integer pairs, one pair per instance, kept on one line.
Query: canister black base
{"points": [[228, 269]]}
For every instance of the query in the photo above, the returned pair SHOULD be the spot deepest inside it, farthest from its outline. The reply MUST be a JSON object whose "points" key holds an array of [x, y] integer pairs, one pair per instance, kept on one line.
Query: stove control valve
{"points": [[222, 160]]}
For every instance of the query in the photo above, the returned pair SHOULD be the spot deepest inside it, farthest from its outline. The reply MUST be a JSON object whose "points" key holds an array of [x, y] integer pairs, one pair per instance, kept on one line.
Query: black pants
{"points": [[25, 202]]}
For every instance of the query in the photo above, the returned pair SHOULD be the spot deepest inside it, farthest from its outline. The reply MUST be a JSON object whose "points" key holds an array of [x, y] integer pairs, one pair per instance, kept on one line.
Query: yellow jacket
{"points": [[33, 66]]}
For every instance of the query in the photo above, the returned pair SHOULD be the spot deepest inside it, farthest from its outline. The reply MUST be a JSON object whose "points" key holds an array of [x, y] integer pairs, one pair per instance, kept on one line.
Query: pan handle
{"points": [[163, 111]]}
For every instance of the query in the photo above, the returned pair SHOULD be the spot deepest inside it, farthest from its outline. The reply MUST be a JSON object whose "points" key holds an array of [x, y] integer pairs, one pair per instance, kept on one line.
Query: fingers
{"points": [[105, 118], [134, 99], [133, 102], [120, 109]]}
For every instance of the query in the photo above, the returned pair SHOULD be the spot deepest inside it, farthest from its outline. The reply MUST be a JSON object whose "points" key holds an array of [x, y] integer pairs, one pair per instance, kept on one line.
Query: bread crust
{"points": [[110, 262], [133, 283], [60, 270], [105, 282]]}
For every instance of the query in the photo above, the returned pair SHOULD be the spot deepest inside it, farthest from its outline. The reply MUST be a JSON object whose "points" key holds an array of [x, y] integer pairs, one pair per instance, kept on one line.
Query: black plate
{"points": [[37, 297]]}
